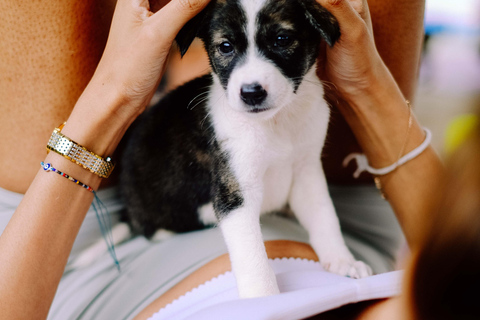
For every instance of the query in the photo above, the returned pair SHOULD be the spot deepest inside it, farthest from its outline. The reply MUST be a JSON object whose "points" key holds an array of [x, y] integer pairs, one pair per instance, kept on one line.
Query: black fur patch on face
{"points": [[287, 38], [226, 25]]}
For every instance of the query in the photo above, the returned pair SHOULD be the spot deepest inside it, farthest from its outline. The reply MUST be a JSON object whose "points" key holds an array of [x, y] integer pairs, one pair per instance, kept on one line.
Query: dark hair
{"points": [[446, 275]]}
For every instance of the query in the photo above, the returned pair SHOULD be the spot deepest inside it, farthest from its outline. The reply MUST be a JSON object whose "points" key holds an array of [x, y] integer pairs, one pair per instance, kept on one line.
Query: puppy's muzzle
{"points": [[253, 95]]}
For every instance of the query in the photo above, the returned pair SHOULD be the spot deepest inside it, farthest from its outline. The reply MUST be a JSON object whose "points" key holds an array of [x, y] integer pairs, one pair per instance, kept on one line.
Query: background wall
{"points": [[449, 83]]}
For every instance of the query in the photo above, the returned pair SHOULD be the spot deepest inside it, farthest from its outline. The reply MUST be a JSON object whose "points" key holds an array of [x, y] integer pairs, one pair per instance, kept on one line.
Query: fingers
{"points": [[174, 15], [349, 13]]}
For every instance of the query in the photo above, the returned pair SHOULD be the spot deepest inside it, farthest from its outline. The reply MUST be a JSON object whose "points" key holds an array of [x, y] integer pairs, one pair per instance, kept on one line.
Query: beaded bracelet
{"points": [[100, 211], [48, 167]]}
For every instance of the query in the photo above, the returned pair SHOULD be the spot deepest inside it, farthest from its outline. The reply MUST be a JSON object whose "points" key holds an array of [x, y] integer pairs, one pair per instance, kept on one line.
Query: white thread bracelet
{"points": [[363, 165]]}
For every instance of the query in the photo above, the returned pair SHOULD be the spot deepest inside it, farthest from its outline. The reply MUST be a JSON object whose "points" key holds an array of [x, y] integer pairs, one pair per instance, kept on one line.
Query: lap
{"points": [[150, 270], [220, 265]]}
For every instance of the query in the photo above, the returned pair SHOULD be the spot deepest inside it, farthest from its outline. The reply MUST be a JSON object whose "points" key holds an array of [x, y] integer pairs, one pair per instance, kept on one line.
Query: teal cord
{"points": [[105, 224], [101, 212]]}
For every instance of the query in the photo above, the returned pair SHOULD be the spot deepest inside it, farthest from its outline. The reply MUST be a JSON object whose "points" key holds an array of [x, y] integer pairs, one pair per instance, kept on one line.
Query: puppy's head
{"points": [[260, 50]]}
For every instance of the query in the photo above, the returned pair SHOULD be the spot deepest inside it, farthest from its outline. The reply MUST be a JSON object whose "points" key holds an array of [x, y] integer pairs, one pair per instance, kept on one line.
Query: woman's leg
{"points": [[220, 265]]}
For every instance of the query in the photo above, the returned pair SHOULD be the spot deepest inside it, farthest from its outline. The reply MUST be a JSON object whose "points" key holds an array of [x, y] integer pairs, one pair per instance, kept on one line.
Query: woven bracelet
{"points": [[363, 165]]}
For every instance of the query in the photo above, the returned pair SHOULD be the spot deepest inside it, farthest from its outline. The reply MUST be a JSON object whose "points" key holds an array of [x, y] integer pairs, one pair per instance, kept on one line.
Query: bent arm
{"points": [[398, 31], [38, 239], [380, 124], [373, 103], [36, 243]]}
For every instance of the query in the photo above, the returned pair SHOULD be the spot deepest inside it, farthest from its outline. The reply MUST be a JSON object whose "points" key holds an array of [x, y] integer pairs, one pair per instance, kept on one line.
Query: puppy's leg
{"points": [[238, 210], [312, 205], [254, 275]]}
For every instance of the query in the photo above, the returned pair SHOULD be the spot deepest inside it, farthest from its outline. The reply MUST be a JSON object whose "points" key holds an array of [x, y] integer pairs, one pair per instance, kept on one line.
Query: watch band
{"points": [[76, 153]]}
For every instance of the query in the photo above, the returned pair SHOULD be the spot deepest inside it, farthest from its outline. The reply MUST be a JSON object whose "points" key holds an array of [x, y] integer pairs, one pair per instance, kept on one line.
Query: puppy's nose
{"points": [[253, 94]]}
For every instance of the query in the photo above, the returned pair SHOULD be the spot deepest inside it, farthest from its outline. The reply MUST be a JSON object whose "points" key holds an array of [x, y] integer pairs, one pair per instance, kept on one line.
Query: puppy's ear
{"points": [[193, 29], [322, 20]]}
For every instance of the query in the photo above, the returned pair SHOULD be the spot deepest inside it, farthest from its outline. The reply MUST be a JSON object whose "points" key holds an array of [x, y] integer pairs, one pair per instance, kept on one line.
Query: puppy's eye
{"points": [[283, 41], [226, 48]]}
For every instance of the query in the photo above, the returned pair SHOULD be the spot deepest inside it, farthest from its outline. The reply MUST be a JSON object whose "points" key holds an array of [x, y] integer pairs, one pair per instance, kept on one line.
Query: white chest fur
{"points": [[265, 153]]}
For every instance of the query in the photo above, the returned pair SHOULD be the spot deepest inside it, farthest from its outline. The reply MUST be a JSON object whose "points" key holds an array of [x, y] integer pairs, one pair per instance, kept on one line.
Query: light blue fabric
{"points": [[150, 269], [89, 232]]}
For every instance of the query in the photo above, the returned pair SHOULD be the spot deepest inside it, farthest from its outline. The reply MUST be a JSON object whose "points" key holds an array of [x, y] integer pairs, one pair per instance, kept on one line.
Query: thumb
{"points": [[175, 14]]}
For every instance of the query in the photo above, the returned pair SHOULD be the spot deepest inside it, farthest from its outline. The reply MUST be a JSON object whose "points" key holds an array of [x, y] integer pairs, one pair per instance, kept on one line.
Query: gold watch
{"points": [[76, 153]]}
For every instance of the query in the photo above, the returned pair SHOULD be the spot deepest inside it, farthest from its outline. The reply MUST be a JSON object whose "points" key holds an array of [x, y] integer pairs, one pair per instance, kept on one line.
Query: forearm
{"points": [[398, 35], [380, 123], [37, 241], [379, 120], [372, 100]]}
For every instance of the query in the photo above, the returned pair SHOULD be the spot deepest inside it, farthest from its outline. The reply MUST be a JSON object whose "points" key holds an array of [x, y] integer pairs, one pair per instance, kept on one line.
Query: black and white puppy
{"points": [[243, 141]]}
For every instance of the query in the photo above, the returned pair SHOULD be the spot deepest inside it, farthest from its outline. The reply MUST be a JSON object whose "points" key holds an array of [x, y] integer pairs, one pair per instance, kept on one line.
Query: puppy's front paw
{"points": [[345, 265]]}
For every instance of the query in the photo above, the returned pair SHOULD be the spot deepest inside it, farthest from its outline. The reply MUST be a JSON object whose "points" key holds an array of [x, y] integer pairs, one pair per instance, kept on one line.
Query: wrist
{"points": [[378, 87], [99, 119], [379, 119]]}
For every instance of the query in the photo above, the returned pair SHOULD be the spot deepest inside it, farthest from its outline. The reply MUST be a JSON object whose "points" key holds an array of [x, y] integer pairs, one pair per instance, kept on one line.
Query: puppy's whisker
{"points": [[199, 102], [200, 95]]}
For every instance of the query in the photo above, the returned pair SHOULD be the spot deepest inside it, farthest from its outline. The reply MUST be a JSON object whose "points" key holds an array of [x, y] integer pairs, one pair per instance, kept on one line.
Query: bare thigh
{"points": [[366, 310], [220, 265]]}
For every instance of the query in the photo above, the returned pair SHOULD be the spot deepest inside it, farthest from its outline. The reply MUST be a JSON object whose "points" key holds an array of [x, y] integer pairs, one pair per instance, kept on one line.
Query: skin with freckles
{"points": [[49, 51]]}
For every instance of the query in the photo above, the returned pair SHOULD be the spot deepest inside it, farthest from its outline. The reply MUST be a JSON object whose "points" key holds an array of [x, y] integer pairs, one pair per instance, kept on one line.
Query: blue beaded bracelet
{"points": [[100, 211], [48, 167]]}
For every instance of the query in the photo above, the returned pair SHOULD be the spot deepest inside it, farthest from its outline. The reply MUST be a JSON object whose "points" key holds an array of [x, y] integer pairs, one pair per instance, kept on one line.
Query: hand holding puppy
{"points": [[374, 107], [137, 49], [129, 71], [353, 63]]}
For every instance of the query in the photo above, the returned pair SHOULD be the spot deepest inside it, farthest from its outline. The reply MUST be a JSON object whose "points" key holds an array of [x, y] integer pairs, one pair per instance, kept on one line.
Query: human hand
{"points": [[353, 63], [137, 49], [129, 71]]}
